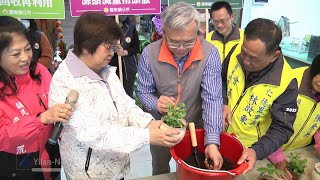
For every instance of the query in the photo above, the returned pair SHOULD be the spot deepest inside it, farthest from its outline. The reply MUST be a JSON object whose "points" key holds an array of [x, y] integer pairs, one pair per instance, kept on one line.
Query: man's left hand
{"points": [[250, 156], [212, 152]]}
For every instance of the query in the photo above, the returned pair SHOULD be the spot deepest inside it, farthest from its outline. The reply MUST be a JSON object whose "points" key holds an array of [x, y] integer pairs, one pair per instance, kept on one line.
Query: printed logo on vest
{"points": [[291, 110], [20, 107], [16, 119], [21, 149]]}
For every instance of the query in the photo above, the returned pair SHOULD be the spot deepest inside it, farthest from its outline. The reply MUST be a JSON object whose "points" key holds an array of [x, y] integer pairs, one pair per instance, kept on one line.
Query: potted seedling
{"points": [[269, 172], [175, 118], [296, 165]]}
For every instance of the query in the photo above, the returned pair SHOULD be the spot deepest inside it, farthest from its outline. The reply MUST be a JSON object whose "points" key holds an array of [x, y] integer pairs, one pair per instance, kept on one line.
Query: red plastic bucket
{"points": [[230, 147]]}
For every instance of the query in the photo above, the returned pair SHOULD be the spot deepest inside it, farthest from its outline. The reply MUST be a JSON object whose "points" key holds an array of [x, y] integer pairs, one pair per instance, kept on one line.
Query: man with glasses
{"points": [[182, 68], [226, 34], [259, 92]]}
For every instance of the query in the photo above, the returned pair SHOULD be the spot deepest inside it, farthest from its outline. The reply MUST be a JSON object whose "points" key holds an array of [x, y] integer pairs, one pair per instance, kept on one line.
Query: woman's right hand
{"points": [[57, 113], [282, 165], [160, 137]]}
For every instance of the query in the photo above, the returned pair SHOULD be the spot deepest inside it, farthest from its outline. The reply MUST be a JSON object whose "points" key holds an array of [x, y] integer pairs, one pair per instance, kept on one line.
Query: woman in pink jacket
{"points": [[25, 120], [307, 123]]}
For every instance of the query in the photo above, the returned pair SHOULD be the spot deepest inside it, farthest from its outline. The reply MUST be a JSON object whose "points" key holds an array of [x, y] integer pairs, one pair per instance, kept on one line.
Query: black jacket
{"points": [[129, 42]]}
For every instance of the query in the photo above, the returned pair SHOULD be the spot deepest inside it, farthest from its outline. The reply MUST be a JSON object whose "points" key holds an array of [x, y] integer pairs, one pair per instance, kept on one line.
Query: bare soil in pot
{"points": [[227, 164]]}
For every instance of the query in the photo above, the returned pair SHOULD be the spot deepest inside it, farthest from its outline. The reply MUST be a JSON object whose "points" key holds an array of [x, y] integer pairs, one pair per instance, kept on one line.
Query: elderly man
{"points": [[182, 68], [259, 92]]}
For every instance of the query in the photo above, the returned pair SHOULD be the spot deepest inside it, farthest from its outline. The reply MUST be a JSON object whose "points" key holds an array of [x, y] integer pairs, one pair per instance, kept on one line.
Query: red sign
{"points": [[116, 7]]}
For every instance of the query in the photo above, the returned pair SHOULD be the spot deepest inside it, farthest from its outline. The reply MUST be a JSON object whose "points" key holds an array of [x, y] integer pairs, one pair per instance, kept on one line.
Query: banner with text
{"points": [[33, 9], [206, 4], [116, 7]]}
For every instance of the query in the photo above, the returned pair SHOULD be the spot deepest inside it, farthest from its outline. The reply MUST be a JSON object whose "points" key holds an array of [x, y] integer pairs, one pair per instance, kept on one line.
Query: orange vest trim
{"points": [[166, 56]]}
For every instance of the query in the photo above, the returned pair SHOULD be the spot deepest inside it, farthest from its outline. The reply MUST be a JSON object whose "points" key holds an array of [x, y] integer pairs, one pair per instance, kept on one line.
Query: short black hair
{"points": [[265, 30], [315, 66], [221, 4], [92, 29]]}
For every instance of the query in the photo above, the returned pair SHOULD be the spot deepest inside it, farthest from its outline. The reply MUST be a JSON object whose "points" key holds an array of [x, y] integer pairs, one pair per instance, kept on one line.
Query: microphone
{"points": [[71, 99]]}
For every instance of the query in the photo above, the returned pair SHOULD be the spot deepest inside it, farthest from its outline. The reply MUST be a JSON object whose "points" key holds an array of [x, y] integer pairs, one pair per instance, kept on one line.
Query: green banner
{"points": [[36, 9], [206, 4]]}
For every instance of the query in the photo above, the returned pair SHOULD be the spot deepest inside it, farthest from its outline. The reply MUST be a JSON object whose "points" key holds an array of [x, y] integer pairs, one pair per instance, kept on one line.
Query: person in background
{"points": [[259, 92], [226, 35], [308, 115], [157, 34], [128, 49], [106, 125], [42, 50], [25, 119], [182, 68], [202, 27]]}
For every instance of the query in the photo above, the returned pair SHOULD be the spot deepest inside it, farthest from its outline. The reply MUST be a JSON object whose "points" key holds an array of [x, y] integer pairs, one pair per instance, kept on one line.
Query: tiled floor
{"points": [[140, 164]]}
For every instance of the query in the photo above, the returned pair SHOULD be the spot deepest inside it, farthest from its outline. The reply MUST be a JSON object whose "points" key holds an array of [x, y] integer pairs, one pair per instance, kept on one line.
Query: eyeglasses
{"points": [[180, 45], [222, 21], [113, 48]]}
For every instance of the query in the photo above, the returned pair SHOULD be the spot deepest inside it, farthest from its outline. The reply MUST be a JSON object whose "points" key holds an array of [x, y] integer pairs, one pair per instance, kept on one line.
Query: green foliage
{"points": [[144, 41], [270, 169], [296, 164], [135, 97], [174, 115]]}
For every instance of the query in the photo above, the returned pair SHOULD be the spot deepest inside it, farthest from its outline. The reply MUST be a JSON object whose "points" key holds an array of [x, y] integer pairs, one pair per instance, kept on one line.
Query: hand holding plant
{"points": [[175, 119], [269, 171], [282, 165], [296, 164], [174, 115]]}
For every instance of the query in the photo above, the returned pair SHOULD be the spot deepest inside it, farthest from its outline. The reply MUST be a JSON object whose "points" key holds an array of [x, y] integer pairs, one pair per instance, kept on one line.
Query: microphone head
{"points": [[72, 97]]}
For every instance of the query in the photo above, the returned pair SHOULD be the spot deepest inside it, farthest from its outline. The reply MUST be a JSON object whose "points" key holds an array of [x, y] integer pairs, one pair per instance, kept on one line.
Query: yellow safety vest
{"points": [[224, 49], [307, 121], [250, 108]]}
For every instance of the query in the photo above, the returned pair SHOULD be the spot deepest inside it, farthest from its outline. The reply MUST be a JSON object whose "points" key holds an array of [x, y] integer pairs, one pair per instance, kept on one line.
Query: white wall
{"points": [[305, 12]]}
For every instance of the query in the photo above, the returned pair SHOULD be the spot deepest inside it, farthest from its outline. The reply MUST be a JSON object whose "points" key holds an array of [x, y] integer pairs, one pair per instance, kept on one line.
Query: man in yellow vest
{"points": [[259, 92], [306, 125], [226, 34]]}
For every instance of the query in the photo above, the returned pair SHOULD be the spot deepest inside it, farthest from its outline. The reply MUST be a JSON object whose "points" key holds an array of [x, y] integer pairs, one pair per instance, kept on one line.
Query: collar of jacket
{"points": [[305, 86], [79, 68], [234, 35], [166, 56], [273, 75]]}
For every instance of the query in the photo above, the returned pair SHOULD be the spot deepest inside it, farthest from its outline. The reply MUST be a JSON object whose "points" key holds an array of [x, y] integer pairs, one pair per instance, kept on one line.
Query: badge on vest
{"points": [[128, 39], [36, 45], [289, 109]]}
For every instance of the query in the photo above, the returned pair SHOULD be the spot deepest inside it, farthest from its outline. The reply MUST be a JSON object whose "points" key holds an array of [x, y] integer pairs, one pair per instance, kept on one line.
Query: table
{"points": [[307, 152]]}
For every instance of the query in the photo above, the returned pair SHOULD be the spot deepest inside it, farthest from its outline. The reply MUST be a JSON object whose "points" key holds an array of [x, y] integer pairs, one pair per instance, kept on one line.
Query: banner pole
{"points": [[119, 57]]}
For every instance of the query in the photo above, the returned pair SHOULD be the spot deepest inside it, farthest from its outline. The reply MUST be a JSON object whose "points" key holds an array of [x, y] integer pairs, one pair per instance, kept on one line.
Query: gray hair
{"points": [[179, 15]]}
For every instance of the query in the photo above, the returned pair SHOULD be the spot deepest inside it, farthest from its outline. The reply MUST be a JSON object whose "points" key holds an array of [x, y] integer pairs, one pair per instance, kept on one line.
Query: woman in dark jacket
{"points": [[128, 52]]}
